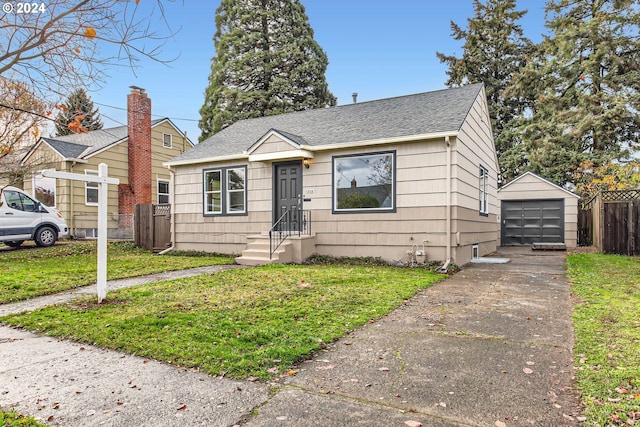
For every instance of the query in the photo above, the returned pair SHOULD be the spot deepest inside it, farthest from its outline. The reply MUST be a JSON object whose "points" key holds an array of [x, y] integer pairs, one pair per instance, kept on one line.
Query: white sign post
{"points": [[102, 180]]}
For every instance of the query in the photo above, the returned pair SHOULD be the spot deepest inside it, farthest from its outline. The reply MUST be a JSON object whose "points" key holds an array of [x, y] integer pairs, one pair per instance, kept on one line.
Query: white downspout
{"points": [[445, 266]]}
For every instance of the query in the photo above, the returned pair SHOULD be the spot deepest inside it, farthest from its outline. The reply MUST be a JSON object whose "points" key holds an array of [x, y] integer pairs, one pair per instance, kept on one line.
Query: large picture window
{"points": [[364, 182], [225, 191]]}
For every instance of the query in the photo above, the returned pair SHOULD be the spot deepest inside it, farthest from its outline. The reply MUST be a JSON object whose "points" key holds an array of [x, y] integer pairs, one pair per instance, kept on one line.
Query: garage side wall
{"points": [[532, 187]]}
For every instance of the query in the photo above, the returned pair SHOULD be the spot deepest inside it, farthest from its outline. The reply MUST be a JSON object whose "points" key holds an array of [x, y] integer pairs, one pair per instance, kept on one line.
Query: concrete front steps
{"points": [[293, 249], [257, 252]]}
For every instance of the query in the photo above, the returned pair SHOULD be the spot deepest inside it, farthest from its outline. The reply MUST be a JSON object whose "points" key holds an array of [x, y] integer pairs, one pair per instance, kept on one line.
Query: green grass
{"points": [[29, 273], [13, 419], [244, 323], [607, 327]]}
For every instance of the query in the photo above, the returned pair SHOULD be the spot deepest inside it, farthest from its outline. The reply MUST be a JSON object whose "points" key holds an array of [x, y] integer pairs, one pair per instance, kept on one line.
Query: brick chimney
{"points": [[138, 191]]}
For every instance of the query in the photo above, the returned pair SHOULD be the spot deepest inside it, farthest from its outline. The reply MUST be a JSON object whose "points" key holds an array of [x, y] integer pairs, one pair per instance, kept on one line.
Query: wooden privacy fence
{"points": [[153, 227], [610, 221]]}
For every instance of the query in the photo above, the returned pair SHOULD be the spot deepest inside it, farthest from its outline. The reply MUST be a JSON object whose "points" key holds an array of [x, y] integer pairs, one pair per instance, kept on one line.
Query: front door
{"points": [[288, 193]]}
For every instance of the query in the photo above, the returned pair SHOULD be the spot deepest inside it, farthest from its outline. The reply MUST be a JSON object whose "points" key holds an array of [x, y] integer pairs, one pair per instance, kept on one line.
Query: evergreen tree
{"points": [[77, 108], [586, 83], [266, 63], [494, 50]]}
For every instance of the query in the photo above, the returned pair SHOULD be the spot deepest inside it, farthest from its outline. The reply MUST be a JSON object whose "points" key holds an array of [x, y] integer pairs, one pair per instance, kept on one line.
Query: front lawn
{"points": [[607, 327], [241, 323], [29, 273]]}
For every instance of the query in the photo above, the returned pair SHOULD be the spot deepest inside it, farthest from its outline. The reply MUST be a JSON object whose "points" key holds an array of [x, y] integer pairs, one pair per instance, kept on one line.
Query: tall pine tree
{"points": [[494, 50], [267, 62], [586, 83], [77, 106]]}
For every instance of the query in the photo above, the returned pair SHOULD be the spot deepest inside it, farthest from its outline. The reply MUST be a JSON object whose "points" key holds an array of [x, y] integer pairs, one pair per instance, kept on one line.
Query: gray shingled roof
{"points": [[66, 149], [419, 114], [85, 144]]}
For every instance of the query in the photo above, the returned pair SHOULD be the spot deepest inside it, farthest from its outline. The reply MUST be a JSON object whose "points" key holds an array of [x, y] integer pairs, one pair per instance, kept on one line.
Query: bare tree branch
{"points": [[70, 44]]}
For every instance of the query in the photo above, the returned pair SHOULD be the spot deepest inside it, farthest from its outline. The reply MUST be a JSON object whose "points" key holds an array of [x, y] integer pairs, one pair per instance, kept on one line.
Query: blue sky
{"points": [[379, 49]]}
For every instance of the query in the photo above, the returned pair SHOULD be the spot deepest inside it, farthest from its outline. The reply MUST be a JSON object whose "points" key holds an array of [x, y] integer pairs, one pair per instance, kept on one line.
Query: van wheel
{"points": [[14, 244], [45, 236]]}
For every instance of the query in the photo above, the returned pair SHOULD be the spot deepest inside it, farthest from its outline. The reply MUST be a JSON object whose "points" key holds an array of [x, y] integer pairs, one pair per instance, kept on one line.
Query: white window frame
{"points": [[164, 140], [90, 186], [167, 194], [206, 192], [224, 193], [483, 187], [231, 191]]}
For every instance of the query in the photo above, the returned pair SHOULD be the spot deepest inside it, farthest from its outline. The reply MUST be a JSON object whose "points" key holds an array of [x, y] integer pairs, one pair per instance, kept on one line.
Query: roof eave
{"points": [[381, 141], [188, 162], [316, 148]]}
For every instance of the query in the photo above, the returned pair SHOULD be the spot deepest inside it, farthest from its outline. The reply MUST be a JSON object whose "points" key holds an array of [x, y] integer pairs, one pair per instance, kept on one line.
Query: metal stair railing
{"points": [[291, 223]]}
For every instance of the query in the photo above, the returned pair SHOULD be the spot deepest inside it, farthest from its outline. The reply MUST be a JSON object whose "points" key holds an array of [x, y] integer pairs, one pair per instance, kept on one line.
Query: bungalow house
{"points": [[134, 154], [410, 178]]}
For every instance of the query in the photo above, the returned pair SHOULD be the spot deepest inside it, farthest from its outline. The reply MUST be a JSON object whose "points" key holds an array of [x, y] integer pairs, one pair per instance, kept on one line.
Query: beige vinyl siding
{"points": [[472, 149], [273, 144], [419, 216]]}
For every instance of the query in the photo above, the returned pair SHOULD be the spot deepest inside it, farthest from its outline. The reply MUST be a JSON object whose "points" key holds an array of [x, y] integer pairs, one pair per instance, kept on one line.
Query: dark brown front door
{"points": [[288, 192]]}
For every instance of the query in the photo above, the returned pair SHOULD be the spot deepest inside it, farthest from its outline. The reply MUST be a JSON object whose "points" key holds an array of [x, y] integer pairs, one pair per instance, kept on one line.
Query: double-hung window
{"points": [[364, 183], [225, 191], [484, 195], [91, 190], [163, 191]]}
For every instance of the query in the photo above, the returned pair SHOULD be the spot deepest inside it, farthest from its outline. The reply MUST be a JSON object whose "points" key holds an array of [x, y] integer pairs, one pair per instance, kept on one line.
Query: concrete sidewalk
{"points": [[490, 346]]}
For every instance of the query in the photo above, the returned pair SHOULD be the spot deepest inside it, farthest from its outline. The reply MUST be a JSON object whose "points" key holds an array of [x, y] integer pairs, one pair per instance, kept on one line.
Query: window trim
{"points": [[170, 145], [224, 192], [334, 189], [168, 193], [483, 193], [91, 185]]}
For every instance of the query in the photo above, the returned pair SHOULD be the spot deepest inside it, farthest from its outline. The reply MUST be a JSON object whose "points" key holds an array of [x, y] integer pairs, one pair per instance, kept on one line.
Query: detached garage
{"points": [[534, 210]]}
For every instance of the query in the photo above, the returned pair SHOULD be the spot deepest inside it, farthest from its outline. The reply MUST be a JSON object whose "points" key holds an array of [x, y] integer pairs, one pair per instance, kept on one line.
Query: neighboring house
{"points": [[134, 154], [389, 178], [534, 210]]}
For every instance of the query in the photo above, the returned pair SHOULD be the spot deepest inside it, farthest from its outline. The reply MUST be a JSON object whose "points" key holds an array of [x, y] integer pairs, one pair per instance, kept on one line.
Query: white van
{"points": [[23, 218]]}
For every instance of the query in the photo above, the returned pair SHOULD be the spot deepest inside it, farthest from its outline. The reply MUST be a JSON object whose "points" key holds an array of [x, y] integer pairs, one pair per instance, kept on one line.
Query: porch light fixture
{"points": [[305, 162]]}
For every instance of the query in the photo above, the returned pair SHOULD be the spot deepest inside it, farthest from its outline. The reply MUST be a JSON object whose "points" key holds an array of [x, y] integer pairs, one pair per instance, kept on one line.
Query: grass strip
{"points": [[30, 273], [607, 327]]}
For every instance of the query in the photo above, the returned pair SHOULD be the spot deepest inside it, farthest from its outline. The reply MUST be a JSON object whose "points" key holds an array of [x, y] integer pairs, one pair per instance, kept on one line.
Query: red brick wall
{"points": [[139, 122]]}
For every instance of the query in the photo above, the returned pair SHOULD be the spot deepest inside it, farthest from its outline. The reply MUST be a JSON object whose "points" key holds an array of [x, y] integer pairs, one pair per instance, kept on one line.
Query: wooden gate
{"points": [[610, 221], [153, 227]]}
